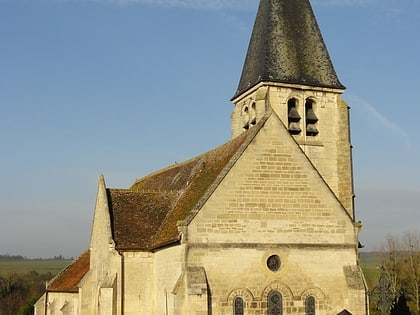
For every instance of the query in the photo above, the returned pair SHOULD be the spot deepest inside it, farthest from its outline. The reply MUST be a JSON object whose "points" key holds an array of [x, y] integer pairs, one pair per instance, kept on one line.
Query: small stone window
{"points": [[310, 305], [275, 303], [273, 263], [293, 117], [253, 114], [238, 306], [249, 115], [245, 117], [311, 118]]}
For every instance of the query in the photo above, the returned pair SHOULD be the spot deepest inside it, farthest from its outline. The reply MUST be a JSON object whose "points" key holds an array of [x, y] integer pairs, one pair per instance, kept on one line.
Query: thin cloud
{"points": [[343, 2], [192, 4], [382, 120]]}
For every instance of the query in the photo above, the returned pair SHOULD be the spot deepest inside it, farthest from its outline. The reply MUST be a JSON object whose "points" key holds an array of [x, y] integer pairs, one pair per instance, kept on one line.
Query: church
{"points": [[263, 224]]}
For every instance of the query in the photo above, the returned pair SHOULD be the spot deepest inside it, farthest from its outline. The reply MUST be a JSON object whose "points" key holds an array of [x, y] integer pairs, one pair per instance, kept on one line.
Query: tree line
{"points": [[401, 266], [20, 257]]}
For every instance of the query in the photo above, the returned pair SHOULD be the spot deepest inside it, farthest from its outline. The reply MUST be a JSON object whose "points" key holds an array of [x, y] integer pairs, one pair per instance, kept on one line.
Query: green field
{"points": [[10, 266], [370, 263]]}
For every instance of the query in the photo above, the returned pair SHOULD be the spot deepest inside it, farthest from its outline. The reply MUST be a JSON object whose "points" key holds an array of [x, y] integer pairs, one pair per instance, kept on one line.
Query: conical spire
{"points": [[286, 46]]}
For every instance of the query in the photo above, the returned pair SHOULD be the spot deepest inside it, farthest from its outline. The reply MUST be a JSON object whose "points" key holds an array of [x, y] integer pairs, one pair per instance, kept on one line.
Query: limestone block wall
{"points": [[329, 150], [304, 271], [87, 294], [103, 278], [39, 306], [272, 193], [138, 282], [168, 270], [61, 304], [150, 281]]}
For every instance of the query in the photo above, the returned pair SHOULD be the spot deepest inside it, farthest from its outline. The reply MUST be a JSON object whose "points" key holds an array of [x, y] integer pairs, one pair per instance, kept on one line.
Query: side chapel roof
{"points": [[68, 280], [145, 216], [286, 46]]}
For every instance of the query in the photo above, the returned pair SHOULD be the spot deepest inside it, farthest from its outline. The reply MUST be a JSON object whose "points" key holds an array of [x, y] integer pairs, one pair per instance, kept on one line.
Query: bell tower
{"points": [[288, 71]]}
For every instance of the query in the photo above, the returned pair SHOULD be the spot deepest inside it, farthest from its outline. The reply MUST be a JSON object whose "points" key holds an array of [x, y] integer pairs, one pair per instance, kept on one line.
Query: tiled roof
{"points": [[69, 279], [138, 215], [286, 46], [145, 216]]}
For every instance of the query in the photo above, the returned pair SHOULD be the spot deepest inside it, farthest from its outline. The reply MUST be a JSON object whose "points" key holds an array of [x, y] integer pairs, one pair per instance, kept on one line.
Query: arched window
{"points": [[275, 303], [238, 306], [293, 117], [310, 305]]}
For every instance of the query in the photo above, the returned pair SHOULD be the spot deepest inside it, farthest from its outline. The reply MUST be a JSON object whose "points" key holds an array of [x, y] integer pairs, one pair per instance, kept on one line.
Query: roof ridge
{"points": [[153, 191], [166, 168]]}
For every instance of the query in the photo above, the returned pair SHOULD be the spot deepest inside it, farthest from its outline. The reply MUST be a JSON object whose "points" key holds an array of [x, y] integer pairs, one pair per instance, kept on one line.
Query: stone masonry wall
{"points": [[273, 191], [304, 271], [330, 150]]}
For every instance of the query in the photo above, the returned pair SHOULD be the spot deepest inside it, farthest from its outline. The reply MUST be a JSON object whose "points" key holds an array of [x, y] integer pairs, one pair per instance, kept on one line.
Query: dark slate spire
{"points": [[286, 46]]}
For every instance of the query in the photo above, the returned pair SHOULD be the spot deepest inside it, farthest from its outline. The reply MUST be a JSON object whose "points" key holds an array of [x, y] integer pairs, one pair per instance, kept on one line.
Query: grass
{"points": [[370, 263], [23, 266]]}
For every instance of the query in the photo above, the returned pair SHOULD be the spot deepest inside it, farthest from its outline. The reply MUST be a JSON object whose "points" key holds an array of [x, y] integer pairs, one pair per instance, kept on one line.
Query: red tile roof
{"points": [[68, 280]]}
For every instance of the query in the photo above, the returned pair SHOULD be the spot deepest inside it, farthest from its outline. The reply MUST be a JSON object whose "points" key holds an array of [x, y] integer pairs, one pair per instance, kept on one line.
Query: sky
{"points": [[126, 87]]}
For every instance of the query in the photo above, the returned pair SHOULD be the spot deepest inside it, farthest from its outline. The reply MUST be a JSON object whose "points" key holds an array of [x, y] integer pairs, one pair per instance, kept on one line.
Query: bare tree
{"points": [[401, 260], [411, 241], [392, 261]]}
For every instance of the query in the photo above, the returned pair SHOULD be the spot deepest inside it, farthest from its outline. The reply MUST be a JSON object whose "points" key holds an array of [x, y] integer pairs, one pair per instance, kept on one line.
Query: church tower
{"points": [[288, 70]]}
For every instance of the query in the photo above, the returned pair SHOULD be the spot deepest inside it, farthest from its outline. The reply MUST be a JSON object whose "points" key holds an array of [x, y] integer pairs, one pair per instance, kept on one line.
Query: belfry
{"points": [[263, 224]]}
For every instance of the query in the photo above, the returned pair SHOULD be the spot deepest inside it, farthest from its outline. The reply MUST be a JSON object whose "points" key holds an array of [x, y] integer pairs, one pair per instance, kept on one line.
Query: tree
{"points": [[401, 260], [411, 243]]}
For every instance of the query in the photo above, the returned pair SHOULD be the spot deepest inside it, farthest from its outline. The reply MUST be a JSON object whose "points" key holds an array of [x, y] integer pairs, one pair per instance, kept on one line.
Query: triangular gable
{"points": [[273, 175]]}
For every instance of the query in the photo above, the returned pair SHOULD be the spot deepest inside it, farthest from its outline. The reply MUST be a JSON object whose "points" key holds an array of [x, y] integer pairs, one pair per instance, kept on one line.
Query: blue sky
{"points": [[125, 87]]}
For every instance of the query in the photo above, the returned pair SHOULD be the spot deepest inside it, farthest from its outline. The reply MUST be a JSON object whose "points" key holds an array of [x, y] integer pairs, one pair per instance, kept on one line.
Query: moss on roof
{"points": [[136, 216], [206, 169], [145, 216]]}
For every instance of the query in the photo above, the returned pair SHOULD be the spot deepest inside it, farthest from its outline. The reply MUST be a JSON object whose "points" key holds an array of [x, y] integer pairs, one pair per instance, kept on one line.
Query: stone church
{"points": [[263, 224]]}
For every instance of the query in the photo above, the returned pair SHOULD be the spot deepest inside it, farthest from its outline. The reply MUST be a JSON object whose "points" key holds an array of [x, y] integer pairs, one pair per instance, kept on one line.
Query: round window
{"points": [[273, 263]]}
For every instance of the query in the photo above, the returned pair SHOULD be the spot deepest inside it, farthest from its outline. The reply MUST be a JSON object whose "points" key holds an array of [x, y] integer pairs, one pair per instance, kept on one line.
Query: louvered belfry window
{"points": [[311, 118], [293, 117]]}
